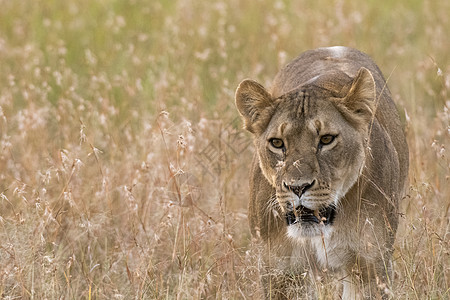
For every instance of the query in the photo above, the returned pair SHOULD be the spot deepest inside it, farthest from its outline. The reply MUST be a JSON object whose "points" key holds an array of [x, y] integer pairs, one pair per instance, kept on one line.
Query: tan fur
{"points": [[340, 92]]}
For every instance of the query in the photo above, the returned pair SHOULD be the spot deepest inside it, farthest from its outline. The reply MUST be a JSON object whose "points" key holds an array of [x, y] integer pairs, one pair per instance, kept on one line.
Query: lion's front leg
{"points": [[290, 272], [367, 281]]}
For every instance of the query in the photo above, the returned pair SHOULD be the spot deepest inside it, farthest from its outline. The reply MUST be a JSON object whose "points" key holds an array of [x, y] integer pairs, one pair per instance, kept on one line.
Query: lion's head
{"points": [[311, 143]]}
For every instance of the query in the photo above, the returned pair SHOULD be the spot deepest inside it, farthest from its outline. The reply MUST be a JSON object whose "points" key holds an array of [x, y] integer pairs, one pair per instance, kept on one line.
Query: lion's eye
{"points": [[277, 143], [326, 139]]}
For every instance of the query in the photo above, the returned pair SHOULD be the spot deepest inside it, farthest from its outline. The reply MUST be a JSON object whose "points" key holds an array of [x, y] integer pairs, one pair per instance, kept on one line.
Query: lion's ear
{"points": [[362, 95], [253, 103]]}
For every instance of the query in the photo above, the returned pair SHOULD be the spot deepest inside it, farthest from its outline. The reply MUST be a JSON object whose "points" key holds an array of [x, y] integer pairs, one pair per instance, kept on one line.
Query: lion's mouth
{"points": [[305, 215]]}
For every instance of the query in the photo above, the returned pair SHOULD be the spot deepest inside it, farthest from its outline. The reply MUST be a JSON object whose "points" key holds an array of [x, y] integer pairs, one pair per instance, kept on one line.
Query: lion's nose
{"points": [[299, 189]]}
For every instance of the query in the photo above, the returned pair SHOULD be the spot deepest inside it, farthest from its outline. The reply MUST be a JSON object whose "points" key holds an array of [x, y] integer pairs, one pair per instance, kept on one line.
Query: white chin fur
{"points": [[299, 233]]}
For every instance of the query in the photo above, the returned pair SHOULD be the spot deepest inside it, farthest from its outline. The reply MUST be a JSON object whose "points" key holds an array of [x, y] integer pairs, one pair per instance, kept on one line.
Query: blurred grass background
{"points": [[119, 173]]}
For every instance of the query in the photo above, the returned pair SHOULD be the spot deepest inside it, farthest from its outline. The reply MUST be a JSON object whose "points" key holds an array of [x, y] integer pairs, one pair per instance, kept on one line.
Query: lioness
{"points": [[330, 166]]}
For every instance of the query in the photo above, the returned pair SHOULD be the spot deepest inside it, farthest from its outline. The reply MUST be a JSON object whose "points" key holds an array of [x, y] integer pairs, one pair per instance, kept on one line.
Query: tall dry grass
{"points": [[123, 171]]}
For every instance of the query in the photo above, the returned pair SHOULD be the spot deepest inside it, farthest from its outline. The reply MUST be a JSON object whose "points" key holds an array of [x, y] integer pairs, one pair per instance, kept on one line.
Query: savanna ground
{"points": [[123, 168]]}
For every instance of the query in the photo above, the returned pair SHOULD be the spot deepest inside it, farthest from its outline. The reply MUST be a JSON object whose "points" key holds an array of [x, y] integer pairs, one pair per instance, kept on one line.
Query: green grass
{"points": [[109, 111]]}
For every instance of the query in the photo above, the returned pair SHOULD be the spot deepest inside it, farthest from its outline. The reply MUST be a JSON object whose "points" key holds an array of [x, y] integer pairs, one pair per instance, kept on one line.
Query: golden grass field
{"points": [[123, 165]]}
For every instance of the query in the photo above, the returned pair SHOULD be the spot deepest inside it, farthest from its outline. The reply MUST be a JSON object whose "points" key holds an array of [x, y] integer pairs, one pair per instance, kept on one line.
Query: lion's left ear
{"points": [[360, 99], [253, 102]]}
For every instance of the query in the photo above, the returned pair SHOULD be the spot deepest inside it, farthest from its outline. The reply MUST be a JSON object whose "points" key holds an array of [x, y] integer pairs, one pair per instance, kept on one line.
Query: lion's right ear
{"points": [[253, 103]]}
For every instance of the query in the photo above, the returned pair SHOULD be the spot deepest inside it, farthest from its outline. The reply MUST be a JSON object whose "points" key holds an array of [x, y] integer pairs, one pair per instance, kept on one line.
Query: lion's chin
{"points": [[304, 222], [299, 232]]}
